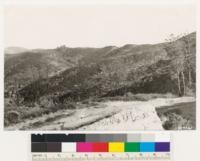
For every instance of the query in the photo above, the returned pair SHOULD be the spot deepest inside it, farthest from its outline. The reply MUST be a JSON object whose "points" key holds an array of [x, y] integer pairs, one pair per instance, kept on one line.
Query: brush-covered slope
{"points": [[111, 71], [24, 68]]}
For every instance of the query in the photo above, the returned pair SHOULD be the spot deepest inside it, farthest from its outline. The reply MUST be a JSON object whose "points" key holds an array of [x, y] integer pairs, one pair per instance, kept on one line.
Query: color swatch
{"points": [[116, 147], [132, 147]]}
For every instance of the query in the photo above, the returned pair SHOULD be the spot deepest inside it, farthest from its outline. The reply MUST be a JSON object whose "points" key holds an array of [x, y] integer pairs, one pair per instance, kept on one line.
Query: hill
{"points": [[115, 71]]}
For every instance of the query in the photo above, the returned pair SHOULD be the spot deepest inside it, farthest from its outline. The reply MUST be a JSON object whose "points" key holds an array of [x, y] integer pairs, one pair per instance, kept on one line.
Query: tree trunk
{"points": [[190, 78], [179, 84], [183, 77]]}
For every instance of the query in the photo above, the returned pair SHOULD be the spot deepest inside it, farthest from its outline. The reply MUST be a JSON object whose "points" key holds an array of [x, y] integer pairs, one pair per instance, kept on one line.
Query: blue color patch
{"points": [[147, 147]]}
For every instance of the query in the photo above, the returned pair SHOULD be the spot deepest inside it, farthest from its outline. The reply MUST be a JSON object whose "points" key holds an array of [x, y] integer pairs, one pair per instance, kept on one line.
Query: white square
{"points": [[162, 137], [68, 147]]}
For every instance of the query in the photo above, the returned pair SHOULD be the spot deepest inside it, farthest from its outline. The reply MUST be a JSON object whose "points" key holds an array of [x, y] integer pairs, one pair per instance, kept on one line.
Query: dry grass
{"points": [[136, 97], [24, 112]]}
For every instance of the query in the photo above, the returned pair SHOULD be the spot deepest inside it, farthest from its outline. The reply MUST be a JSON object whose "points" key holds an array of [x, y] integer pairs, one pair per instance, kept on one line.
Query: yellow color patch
{"points": [[116, 147]]}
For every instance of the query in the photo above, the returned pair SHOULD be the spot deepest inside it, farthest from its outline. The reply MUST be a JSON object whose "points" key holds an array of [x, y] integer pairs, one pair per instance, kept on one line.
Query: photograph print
{"points": [[100, 67]]}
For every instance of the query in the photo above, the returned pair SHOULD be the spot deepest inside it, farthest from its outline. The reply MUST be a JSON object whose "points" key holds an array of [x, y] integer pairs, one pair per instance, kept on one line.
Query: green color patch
{"points": [[132, 147]]}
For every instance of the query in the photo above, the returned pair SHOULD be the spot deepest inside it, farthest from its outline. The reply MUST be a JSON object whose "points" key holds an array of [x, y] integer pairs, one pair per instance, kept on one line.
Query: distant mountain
{"points": [[67, 74], [15, 50]]}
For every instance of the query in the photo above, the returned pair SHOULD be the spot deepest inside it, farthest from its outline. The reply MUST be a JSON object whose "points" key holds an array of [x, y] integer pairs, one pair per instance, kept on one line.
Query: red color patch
{"points": [[100, 147]]}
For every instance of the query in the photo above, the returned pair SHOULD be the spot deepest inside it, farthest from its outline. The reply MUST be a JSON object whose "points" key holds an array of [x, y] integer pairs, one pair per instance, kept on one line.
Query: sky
{"points": [[49, 26]]}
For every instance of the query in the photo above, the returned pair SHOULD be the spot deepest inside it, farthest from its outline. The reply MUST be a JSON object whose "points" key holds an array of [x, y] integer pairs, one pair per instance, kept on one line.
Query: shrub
{"points": [[6, 122], [175, 121], [12, 117], [71, 105]]}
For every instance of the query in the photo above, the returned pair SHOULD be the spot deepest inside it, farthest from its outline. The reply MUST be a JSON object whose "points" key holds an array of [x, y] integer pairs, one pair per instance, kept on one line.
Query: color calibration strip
{"points": [[118, 143]]}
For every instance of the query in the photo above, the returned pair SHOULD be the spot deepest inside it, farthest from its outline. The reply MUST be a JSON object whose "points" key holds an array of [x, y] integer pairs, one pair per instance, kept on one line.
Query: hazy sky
{"points": [[42, 26]]}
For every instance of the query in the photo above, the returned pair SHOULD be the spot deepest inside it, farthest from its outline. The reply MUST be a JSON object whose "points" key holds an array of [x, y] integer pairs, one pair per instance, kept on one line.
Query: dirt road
{"points": [[113, 115]]}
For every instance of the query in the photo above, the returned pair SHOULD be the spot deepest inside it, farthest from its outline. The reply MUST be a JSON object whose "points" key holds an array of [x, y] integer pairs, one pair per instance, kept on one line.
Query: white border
{"points": [[20, 140]]}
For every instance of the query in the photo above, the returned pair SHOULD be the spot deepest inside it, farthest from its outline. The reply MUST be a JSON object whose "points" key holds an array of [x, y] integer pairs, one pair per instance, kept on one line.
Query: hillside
{"points": [[24, 68], [131, 68], [54, 79]]}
